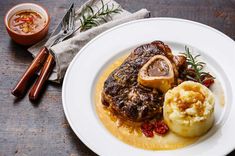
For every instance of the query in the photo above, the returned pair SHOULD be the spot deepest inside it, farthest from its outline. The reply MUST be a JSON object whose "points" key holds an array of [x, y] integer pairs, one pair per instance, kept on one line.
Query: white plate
{"points": [[216, 48]]}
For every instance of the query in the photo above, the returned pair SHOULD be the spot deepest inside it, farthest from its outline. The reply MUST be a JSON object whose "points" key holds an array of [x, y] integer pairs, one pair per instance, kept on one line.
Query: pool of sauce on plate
{"points": [[221, 100], [131, 134]]}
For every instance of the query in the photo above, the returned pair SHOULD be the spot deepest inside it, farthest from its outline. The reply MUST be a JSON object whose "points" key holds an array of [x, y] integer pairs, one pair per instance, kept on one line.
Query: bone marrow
{"points": [[158, 67], [157, 73]]}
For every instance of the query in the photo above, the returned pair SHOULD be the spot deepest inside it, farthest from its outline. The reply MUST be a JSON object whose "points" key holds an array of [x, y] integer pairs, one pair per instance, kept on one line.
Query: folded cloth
{"points": [[65, 51]]}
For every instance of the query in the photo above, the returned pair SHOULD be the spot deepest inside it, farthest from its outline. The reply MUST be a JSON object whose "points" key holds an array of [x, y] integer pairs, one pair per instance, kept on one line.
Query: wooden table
{"points": [[40, 128]]}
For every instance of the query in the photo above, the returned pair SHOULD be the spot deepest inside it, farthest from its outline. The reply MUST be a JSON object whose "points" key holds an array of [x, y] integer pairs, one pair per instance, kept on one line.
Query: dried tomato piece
{"points": [[208, 82], [147, 129], [160, 127], [148, 133]]}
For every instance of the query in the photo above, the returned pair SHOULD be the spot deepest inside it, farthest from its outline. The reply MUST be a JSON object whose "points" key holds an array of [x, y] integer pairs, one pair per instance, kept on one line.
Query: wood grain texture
{"points": [[35, 66], [40, 128]]}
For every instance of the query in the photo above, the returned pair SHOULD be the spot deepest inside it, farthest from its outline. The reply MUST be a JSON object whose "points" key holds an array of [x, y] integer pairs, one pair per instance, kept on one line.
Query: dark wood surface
{"points": [[40, 128]]}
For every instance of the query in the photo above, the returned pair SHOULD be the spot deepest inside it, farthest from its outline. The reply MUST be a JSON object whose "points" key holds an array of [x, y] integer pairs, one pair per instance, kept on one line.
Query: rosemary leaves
{"points": [[194, 70], [90, 18]]}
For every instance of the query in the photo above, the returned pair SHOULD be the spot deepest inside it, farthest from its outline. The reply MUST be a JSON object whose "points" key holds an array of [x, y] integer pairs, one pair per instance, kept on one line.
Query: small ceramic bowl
{"points": [[27, 39]]}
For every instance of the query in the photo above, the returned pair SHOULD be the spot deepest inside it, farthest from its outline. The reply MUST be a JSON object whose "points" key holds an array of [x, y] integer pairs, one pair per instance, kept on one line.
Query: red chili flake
{"points": [[26, 19], [147, 129], [160, 127]]}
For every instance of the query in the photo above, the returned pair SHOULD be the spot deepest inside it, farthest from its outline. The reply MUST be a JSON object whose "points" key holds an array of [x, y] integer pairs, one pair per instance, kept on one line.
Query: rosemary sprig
{"points": [[194, 70], [90, 19]]}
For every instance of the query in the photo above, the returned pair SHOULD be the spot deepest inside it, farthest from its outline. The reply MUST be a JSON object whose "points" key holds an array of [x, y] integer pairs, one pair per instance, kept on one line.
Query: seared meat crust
{"points": [[123, 95]]}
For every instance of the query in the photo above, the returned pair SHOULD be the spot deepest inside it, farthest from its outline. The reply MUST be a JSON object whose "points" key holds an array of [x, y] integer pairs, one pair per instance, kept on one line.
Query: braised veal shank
{"points": [[122, 93]]}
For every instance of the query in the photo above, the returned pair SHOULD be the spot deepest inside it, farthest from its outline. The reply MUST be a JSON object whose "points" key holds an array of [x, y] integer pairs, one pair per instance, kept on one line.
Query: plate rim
{"points": [[94, 149]]}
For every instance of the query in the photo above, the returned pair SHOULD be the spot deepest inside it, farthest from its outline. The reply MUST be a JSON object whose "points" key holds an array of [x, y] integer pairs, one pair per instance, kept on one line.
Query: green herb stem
{"points": [[195, 67], [90, 19]]}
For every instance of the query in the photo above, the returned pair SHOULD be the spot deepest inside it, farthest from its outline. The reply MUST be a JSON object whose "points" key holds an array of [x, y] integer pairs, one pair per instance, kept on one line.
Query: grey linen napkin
{"points": [[66, 50]]}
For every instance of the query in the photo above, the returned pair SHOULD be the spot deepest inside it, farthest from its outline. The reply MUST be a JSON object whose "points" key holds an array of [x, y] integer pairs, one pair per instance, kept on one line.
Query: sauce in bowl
{"points": [[27, 22]]}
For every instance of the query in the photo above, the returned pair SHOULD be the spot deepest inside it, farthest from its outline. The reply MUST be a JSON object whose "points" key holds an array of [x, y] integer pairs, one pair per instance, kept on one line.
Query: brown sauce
{"points": [[27, 22], [158, 68], [129, 132]]}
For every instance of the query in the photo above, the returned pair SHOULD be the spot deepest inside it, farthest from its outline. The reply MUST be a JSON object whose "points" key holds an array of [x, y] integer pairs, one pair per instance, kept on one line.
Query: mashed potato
{"points": [[189, 109]]}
